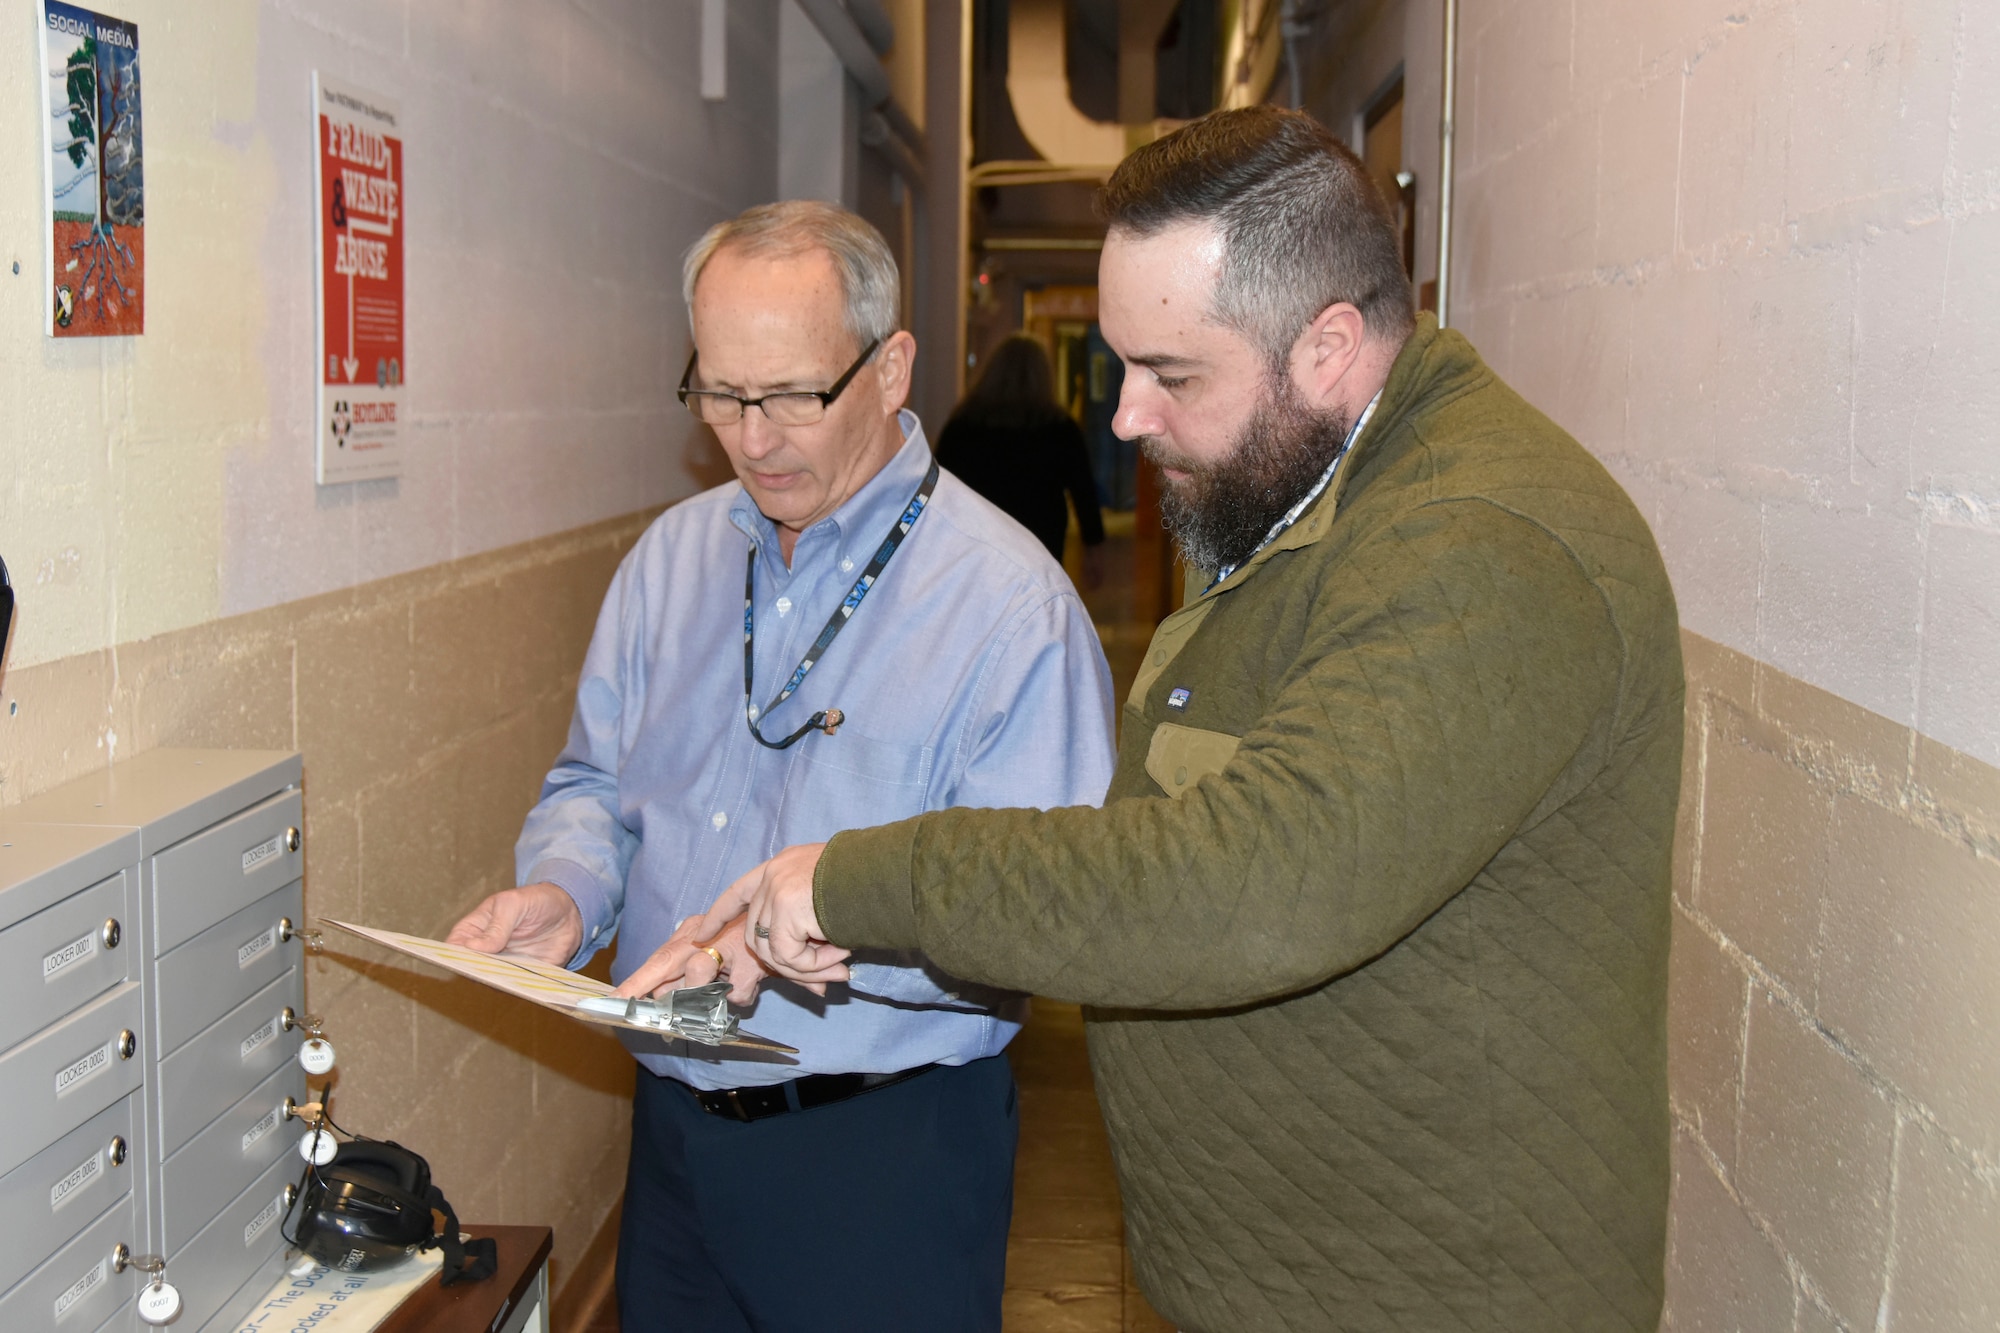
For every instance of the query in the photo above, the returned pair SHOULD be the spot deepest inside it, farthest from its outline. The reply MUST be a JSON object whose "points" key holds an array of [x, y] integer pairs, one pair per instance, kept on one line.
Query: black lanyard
{"points": [[827, 719]]}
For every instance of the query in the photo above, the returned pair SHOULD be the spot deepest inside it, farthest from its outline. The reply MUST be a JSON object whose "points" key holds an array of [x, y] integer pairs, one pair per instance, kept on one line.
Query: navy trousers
{"points": [[885, 1212]]}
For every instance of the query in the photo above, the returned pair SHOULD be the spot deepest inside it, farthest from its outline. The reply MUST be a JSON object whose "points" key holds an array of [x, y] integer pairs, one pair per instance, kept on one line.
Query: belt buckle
{"points": [[735, 1100]]}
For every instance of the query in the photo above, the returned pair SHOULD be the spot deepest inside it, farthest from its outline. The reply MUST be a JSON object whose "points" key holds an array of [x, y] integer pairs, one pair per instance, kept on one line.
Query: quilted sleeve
{"points": [[1458, 662]]}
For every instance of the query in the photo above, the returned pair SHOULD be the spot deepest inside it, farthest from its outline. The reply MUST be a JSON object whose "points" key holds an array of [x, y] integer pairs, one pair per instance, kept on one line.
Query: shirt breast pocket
{"points": [[849, 780]]}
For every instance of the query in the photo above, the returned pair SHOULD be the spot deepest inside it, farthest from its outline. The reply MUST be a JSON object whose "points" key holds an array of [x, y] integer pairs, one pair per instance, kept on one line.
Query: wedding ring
{"points": [[763, 931], [716, 954]]}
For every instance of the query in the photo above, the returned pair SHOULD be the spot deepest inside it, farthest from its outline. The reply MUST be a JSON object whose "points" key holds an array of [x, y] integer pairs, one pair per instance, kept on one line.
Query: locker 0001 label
{"points": [[82, 1175], [74, 952]]}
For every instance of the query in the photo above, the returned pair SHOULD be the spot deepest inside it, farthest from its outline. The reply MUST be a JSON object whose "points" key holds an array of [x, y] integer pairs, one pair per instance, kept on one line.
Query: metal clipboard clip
{"points": [[698, 1013]]}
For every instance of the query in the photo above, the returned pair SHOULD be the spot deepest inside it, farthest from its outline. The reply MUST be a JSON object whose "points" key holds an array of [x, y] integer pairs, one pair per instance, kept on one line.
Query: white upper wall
{"points": [[817, 114], [1750, 255], [560, 158]]}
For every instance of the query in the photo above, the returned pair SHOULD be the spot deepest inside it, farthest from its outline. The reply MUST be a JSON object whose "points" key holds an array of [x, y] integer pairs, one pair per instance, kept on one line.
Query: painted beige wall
{"points": [[182, 580], [427, 720], [1835, 1014]]}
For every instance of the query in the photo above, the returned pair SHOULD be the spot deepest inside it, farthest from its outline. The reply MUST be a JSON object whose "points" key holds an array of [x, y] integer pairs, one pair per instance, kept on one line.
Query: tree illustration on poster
{"points": [[97, 174]]}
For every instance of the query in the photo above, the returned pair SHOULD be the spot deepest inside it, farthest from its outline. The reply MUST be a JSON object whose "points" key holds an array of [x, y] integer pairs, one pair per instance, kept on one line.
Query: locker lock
{"points": [[116, 1150], [127, 1044], [291, 1194], [121, 1257], [291, 840], [287, 932], [111, 933], [288, 1018]]}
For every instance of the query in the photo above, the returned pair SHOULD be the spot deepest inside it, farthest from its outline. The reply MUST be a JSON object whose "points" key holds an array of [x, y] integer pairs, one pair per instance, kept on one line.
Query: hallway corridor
{"points": [[1066, 1265]]}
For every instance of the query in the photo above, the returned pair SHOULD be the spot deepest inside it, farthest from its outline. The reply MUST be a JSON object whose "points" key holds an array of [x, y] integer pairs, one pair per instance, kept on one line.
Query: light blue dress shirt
{"points": [[970, 675]]}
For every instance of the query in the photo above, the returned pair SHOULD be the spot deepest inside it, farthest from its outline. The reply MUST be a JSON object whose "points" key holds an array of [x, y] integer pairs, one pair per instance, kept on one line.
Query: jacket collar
{"points": [[1432, 363]]}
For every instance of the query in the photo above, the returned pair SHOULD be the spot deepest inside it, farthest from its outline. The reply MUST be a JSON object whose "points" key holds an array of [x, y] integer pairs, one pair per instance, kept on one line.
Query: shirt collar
{"points": [[1306, 501], [860, 522]]}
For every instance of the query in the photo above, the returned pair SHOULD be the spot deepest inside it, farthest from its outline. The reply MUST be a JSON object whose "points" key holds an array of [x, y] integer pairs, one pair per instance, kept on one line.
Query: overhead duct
{"points": [[1039, 89]]}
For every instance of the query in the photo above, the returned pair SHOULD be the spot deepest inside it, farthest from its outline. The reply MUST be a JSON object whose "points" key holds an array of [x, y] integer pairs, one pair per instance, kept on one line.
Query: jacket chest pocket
{"points": [[1181, 756], [849, 781]]}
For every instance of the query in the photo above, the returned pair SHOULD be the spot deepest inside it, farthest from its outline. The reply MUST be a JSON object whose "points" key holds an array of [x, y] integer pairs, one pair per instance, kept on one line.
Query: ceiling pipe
{"points": [[1445, 135], [875, 24], [857, 55]]}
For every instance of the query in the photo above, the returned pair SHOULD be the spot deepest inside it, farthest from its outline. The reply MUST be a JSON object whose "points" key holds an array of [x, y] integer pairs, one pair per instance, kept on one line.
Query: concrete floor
{"points": [[1066, 1265]]}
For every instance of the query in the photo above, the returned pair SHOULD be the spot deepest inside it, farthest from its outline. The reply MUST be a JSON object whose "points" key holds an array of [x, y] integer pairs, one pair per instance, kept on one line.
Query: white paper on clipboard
{"points": [[541, 983]]}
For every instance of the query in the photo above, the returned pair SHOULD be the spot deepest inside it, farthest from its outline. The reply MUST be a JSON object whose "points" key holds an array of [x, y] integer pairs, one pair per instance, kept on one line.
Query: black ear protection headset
{"points": [[373, 1205]]}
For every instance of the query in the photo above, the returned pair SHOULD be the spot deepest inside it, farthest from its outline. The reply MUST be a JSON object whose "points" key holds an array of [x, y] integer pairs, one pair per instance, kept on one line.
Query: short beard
{"points": [[1222, 510]]}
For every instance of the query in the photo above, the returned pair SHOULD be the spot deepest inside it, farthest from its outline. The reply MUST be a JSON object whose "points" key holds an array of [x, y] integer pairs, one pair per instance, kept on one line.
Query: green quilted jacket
{"points": [[1372, 927]]}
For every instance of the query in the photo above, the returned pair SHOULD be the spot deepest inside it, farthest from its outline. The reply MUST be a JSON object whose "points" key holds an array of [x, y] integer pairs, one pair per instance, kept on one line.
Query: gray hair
{"points": [[1302, 225], [870, 287]]}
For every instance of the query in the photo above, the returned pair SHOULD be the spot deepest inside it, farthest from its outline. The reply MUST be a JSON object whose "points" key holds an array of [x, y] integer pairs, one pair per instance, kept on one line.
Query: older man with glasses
{"points": [[899, 646]]}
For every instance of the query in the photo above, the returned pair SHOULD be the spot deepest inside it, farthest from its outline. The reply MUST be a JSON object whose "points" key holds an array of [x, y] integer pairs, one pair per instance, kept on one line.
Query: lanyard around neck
{"points": [[827, 719]]}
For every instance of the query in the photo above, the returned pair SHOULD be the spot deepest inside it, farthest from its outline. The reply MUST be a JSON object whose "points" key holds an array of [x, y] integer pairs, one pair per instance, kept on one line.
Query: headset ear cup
{"points": [[387, 1161]]}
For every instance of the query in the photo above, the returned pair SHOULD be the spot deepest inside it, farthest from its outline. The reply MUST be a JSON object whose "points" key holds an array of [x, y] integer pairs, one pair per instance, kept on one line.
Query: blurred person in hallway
{"points": [[843, 634], [1011, 441], [1372, 928]]}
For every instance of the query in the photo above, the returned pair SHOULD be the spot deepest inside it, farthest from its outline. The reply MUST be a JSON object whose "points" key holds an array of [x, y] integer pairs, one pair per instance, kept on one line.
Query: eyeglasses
{"points": [[796, 407]]}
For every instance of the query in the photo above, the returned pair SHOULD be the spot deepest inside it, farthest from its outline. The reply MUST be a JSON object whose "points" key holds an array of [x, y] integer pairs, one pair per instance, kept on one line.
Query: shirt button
{"points": [[1180, 777], [718, 820], [846, 566], [784, 606], [754, 710]]}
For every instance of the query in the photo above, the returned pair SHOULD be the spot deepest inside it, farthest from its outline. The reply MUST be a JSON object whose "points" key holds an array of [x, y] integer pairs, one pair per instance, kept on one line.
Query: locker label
{"points": [[257, 948], [263, 852], [82, 1287], [261, 1223], [255, 1134], [261, 1038], [72, 1074], [74, 952], [82, 1175]]}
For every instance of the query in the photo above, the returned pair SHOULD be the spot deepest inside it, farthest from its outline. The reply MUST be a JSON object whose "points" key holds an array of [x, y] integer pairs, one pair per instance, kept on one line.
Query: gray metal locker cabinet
{"points": [[221, 858], [74, 1063]]}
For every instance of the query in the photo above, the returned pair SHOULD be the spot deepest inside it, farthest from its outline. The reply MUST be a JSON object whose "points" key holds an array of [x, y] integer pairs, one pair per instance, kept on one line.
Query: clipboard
{"points": [[696, 1013]]}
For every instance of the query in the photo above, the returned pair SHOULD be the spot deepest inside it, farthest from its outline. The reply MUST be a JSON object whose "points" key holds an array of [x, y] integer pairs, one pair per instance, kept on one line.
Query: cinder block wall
{"points": [[183, 581], [1745, 254], [427, 718], [1835, 996]]}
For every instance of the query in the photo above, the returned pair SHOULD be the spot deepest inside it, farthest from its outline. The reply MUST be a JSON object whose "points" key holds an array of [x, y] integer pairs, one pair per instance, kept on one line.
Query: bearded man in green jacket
{"points": [[1372, 926]]}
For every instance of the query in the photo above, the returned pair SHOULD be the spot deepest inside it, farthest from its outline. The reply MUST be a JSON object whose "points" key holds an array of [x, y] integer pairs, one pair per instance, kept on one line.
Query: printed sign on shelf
{"points": [[358, 212], [96, 205]]}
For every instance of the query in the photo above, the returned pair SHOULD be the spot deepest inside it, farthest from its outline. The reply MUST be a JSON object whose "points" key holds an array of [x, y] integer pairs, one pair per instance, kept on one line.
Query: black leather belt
{"points": [[799, 1094]]}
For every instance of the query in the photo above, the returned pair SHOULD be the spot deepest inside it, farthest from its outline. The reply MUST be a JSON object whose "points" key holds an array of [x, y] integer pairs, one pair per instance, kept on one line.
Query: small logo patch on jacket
{"points": [[1177, 700]]}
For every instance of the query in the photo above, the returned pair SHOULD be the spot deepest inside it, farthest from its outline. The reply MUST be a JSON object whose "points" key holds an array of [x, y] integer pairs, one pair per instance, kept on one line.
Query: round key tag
{"points": [[316, 1055], [159, 1303], [318, 1146]]}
